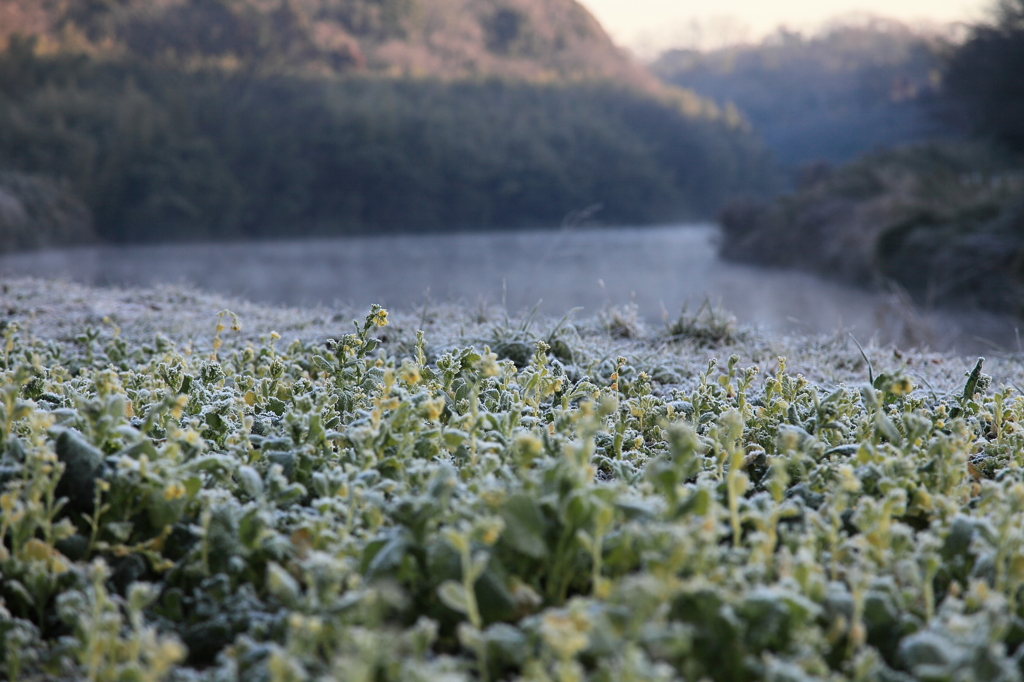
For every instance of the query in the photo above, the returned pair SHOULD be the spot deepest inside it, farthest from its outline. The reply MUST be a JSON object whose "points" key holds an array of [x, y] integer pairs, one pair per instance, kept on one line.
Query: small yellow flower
{"points": [[490, 530], [848, 481], [529, 445], [58, 564], [433, 408], [36, 550], [179, 405], [901, 387], [488, 364], [174, 491], [493, 497], [171, 651], [380, 318], [410, 374], [560, 632]]}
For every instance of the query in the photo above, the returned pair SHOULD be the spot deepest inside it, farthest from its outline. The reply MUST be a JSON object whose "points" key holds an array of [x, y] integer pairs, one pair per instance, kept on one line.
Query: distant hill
{"points": [[853, 88], [531, 39]]}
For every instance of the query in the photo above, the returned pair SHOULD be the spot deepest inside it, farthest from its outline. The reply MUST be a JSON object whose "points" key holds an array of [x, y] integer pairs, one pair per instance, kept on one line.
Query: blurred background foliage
{"points": [[859, 84], [937, 214], [251, 118]]}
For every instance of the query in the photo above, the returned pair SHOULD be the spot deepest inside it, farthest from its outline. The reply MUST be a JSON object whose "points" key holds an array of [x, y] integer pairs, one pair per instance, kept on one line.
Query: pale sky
{"points": [[647, 24]]}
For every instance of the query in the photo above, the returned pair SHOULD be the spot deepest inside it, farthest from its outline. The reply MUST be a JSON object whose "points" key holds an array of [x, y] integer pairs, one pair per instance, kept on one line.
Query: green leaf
{"points": [[524, 526], [282, 585], [699, 502], [323, 364], [888, 429], [453, 438], [453, 595], [193, 485], [389, 556], [162, 511], [121, 530], [456, 539], [250, 481], [477, 565]]}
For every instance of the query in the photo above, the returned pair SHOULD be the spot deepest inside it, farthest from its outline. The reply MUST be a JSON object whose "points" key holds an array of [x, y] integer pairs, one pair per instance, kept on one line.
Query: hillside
{"points": [[532, 39], [235, 119]]}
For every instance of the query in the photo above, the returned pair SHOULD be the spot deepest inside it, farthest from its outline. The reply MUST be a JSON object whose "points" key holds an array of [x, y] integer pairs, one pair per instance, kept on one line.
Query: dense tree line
{"points": [[984, 79], [162, 154], [162, 150]]}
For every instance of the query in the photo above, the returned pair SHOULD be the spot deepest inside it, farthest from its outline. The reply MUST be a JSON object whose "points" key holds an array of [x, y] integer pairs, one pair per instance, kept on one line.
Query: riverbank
{"points": [[656, 272], [941, 222], [61, 310]]}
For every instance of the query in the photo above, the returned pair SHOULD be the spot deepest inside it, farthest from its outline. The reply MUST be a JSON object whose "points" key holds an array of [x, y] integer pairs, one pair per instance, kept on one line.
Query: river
{"points": [[658, 269]]}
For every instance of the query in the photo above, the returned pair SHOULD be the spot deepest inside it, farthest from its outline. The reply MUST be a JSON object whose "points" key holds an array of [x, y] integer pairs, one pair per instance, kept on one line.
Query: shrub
{"points": [[389, 510]]}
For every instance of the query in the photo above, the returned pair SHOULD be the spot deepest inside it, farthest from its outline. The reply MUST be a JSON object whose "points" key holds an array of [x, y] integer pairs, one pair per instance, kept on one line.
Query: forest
{"points": [[236, 119]]}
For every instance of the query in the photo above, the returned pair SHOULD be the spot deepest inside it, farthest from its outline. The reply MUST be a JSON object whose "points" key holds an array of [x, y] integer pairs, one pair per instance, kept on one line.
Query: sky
{"points": [[646, 25]]}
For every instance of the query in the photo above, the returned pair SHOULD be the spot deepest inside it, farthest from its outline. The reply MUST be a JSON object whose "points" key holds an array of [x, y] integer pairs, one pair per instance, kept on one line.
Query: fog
{"points": [[659, 270]]}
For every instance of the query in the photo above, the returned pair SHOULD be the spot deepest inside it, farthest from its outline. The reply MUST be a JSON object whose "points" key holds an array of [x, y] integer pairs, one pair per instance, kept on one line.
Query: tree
{"points": [[984, 79]]}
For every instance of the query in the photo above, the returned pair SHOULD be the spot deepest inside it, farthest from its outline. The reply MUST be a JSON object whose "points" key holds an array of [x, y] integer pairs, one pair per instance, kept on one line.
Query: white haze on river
{"points": [[659, 270]]}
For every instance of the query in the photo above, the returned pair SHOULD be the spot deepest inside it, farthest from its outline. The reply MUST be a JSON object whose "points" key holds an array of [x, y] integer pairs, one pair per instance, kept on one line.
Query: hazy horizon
{"points": [[648, 26]]}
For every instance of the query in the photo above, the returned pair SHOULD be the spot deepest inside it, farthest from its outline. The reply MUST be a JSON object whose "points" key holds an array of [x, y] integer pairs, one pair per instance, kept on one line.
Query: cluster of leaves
{"points": [[371, 510]]}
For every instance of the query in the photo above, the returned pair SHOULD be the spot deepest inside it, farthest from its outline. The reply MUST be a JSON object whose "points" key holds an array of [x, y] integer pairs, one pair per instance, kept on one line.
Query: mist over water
{"points": [[659, 270]]}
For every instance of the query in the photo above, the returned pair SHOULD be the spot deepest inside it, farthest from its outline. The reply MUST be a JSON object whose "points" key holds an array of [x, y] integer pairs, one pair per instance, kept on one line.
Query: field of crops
{"points": [[454, 495]]}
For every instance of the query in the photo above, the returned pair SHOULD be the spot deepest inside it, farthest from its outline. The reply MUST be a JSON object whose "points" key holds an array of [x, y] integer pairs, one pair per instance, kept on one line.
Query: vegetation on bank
{"points": [[547, 502], [246, 136], [945, 222], [36, 212]]}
